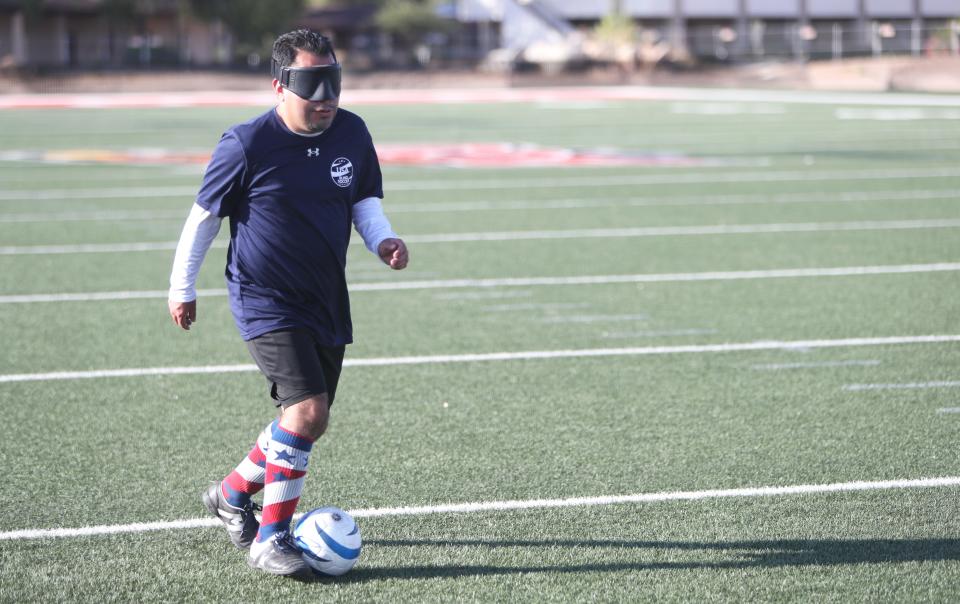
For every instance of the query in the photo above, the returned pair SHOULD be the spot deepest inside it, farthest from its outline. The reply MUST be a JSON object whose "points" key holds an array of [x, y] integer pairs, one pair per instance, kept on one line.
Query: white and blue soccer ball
{"points": [[329, 539]]}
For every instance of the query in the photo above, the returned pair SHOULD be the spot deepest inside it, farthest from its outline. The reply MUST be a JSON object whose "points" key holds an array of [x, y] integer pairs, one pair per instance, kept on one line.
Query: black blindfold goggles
{"points": [[311, 83]]}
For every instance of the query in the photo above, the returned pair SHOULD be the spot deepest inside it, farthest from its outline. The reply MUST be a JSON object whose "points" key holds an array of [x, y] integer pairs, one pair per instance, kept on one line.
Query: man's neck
{"points": [[291, 129]]}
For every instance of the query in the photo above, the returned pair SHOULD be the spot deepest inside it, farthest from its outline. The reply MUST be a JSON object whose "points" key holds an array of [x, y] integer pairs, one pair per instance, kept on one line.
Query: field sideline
{"points": [[664, 344]]}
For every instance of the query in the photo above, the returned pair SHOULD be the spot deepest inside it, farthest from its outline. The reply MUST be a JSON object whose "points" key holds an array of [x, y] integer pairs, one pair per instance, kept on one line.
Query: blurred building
{"points": [[720, 29], [508, 34], [88, 34]]}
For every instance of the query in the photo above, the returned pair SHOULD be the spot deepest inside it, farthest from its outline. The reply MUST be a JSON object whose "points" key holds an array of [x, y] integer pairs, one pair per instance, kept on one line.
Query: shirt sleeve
{"points": [[223, 178], [198, 234], [371, 179], [372, 223]]}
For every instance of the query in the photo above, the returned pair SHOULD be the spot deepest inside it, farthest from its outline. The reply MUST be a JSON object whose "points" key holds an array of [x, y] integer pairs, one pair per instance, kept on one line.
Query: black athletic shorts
{"points": [[296, 367]]}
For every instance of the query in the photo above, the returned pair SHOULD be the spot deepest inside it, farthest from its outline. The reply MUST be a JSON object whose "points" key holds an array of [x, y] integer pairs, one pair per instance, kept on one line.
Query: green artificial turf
{"points": [[118, 451]]}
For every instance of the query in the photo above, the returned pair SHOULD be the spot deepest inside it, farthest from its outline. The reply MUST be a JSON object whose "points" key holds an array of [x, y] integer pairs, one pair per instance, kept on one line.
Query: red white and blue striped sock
{"points": [[247, 479], [287, 457]]}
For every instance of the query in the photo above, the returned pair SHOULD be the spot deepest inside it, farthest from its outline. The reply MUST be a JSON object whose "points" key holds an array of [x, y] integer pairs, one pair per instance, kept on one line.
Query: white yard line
{"points": [[673, 178], [537, 306], [95, 216], [259, 98], [460, 296], [604, 233], [898, 115], [845, 271], [586, 319], [903, 386], [568, 203], [572, 203], [94, 248], [99, 296], [111, 193], [949, 410], [513, 505], [816, 365], [676, 231], [459, 184], [654, 333], [503, 356]]}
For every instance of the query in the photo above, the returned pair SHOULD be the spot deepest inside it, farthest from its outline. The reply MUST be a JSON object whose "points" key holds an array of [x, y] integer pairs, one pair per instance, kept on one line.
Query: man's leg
{"points": [[288, 453], [229, 500], [247, 479], [303, 378]]}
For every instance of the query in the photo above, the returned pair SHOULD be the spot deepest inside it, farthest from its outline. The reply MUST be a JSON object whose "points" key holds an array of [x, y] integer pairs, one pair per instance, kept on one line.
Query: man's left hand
{"points": [[394, 253]]}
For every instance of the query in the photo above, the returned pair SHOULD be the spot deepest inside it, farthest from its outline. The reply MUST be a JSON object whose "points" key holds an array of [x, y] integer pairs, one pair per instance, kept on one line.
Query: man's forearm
{"points": [[198, 233]]}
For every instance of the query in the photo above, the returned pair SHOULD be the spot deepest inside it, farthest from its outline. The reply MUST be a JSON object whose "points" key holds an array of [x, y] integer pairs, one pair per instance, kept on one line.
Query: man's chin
{"points": [[323, 123], [320, 126]]}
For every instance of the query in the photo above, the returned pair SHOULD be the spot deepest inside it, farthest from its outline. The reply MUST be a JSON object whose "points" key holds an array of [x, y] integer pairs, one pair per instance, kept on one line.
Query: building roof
{"points": [[340, 17]]}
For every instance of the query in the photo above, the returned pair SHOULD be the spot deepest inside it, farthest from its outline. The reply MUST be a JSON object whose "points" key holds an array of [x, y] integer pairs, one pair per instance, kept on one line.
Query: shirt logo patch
{"points": [[314, 152], [341, 171]]}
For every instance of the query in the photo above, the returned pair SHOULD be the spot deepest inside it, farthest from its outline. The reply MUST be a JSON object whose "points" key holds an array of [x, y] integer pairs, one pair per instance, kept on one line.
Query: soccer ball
{"points": [[329, 539]]}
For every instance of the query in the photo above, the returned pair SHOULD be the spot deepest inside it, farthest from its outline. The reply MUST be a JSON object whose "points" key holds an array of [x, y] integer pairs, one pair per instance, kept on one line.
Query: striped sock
{"points": [[247, 478], [286, 468]]}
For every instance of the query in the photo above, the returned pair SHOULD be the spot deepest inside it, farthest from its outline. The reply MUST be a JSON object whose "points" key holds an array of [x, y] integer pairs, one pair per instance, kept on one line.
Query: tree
{"points": [[410, 22], [255, 24]]}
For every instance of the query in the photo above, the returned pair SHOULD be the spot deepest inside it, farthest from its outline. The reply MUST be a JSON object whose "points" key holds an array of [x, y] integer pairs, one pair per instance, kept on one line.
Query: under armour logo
{"points": [[313, 152]]}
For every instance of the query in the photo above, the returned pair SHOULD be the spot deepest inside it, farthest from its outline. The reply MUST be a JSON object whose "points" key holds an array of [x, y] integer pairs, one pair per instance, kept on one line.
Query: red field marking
{"points": [[571, 95], [456, 155], [265, 97]]}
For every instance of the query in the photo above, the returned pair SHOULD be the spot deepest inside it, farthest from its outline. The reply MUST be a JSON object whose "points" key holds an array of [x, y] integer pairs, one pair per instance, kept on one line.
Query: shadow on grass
{"points": [[735, 555]]}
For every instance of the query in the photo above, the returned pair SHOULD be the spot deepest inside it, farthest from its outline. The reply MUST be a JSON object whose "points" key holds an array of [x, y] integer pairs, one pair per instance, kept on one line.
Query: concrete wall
{"points": [[838, 9], [649, 9], [788, 9], [940, 8], [774, 9]]}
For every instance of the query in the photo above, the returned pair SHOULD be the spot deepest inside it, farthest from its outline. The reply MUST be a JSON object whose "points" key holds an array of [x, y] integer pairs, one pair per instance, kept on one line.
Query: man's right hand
{"points": [[184, 313]]}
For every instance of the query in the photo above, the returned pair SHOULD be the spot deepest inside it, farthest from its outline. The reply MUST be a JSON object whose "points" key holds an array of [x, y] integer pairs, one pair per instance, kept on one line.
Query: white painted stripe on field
{"points": [[905, 386], [111, 193], [663, 277], [949, 410], [513, 505], [459, 184], [572, 203], [679, 231], [109, 216], [542, 204], [788, 273], [604, 233], [504, 356], [816, 365], [901, 114], [92, 248], [101, 296], [481, 95], [522, 306], [626, 318], [807, 489], [483, 295], [673, 179], [132, 372], [653, 333]]}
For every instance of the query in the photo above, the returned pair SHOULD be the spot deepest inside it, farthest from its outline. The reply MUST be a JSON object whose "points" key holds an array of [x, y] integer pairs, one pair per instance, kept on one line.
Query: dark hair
{"points": [[286, 46]]}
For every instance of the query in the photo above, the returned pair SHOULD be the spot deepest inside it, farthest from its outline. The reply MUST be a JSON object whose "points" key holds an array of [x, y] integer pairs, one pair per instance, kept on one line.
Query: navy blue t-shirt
{"points": [[289, 199]]}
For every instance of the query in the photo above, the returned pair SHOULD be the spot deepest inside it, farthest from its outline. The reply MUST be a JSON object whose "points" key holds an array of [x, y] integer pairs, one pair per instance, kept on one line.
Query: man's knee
{"points": [[309, 417]]}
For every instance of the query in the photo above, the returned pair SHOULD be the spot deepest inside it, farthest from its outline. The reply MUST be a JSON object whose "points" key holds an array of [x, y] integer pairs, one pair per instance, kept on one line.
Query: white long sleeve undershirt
{"points": [[198, 233], [202, 227], [372, 223]]}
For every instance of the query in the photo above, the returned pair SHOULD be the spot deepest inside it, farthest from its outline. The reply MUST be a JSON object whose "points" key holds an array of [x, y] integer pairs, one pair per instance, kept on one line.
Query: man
{"points": [[290, 181]]}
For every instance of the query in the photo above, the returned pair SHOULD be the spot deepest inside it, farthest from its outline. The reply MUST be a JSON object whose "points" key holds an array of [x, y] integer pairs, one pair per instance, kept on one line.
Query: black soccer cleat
{"points": [[241, 523], [279, 555]]}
